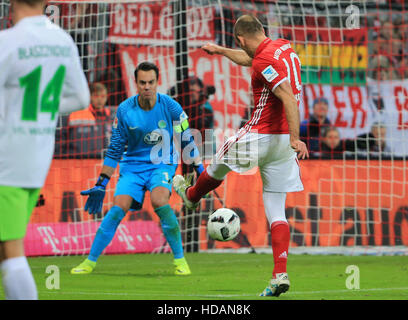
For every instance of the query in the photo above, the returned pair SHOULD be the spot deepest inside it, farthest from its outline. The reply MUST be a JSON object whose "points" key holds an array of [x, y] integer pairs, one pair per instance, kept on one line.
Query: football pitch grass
{"points": [[220, 276]]}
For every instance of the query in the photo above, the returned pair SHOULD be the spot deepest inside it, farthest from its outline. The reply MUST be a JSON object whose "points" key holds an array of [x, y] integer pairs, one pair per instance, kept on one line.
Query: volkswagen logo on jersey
{"points": [[153, 138]]}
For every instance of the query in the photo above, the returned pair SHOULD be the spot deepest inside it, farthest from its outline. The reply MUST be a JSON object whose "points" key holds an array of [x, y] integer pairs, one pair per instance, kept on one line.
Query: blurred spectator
{"points": [[197, 106], [200, 111], [387, 30], [331, 146], [372, 144], [310, 129], [403, 68], [381, 69], [389, 50], [89, 130], [111, 74], [375, 140]]}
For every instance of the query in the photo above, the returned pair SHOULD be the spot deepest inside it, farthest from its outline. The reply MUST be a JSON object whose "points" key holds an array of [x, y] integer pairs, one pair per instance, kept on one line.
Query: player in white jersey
{"points": [[40, 77]]}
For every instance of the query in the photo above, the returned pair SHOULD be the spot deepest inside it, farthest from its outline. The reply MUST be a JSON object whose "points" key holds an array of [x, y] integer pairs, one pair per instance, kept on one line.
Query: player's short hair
{"points": [[97, 87], [31, 3], [247, 25], [147, 66]]}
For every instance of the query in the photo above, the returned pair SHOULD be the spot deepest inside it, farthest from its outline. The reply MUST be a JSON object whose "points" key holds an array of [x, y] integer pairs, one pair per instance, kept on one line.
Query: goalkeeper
{"points": [[145, 124]]}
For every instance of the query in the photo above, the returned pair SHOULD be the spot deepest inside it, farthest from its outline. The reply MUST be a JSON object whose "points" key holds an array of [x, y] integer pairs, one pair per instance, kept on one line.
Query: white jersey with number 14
{"points": [[40, 77]]}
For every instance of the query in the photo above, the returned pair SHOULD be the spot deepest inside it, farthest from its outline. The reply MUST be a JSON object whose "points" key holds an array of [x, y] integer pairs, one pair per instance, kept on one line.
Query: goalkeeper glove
{"points": [[96, 195]]}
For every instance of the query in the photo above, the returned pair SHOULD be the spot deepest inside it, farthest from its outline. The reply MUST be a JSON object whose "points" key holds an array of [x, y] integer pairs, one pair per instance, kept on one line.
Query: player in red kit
{"points": [[269, 140]]}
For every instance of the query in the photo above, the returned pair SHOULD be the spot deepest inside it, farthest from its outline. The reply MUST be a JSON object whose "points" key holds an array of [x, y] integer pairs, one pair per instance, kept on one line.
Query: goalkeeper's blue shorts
{"points": [[135, 184]]}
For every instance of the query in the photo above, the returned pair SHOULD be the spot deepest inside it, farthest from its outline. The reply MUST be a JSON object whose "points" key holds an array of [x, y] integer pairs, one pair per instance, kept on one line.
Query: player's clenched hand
{"points": [[300, 148], [95, 199], [212, 48]]}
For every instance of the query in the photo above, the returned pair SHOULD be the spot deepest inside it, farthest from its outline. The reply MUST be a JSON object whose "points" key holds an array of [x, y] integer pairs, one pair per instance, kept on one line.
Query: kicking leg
{"points": [[209, 180]]}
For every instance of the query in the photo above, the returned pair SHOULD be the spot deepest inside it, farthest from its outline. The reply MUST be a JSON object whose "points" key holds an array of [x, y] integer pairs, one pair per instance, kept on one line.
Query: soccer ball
{"points": [[223, 225]]}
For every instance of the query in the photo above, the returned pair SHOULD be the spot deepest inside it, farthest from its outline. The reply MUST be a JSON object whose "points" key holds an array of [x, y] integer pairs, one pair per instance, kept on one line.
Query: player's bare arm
{"points": [[237, 56], [285, 94]]}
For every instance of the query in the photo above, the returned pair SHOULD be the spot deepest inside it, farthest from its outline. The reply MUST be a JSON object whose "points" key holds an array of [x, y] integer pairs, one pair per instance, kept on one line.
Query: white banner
{"points": [[354, 109]]}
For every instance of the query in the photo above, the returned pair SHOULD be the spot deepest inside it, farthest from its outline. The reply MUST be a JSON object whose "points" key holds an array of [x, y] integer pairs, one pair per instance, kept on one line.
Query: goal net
{"points": [[354, 112]]}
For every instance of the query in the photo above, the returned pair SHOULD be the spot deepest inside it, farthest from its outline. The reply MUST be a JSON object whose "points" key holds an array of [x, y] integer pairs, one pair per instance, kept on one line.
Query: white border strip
{"points": [[248, 295], [346, 251]]}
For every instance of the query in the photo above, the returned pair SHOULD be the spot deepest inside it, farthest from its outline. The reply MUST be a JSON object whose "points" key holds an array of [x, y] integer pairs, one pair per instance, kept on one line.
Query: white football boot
{"points": [[279, 284], [180, 184]]}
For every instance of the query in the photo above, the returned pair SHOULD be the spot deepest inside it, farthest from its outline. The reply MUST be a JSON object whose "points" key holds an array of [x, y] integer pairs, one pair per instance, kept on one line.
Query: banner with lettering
{"points": [[353, 109], [62, 238], [152, 23]]}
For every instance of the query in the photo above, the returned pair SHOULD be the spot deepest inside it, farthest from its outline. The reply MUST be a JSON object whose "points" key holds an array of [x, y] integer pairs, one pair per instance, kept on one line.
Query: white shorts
{"points": [[272, 153]]}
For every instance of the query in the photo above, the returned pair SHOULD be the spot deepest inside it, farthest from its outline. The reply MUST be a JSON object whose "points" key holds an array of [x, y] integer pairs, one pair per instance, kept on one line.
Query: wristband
{"points": [[102, 180]]}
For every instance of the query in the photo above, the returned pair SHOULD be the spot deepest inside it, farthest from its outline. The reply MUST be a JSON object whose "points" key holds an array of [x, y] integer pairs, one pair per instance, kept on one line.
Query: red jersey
{"points": [[273, 63]]}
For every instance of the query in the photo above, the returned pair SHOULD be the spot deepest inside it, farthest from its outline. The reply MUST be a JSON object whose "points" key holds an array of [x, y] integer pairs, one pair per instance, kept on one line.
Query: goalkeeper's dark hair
{"points": [[247, 25], [147, 66]]}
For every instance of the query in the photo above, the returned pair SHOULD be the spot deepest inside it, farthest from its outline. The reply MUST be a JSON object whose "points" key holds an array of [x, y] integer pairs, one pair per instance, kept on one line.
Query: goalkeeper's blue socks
{"points": [[171, 230], [111, 221], [106, 231]]}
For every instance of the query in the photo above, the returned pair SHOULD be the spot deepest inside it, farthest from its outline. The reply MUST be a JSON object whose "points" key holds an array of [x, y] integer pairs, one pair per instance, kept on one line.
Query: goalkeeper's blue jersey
{"points": [[147, 136]]}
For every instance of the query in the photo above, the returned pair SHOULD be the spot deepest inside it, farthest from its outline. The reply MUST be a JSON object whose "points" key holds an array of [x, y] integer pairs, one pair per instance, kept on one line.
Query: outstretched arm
{"points": [[237, 56]]}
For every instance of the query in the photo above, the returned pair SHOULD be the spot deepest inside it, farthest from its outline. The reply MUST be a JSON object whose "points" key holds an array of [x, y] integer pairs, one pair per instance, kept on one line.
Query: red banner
{"points": [[151, 23]]}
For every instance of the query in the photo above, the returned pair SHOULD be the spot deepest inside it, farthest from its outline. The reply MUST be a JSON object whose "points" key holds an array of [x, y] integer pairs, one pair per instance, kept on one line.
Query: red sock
{"points": [[280, 236], [204, 184]]}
